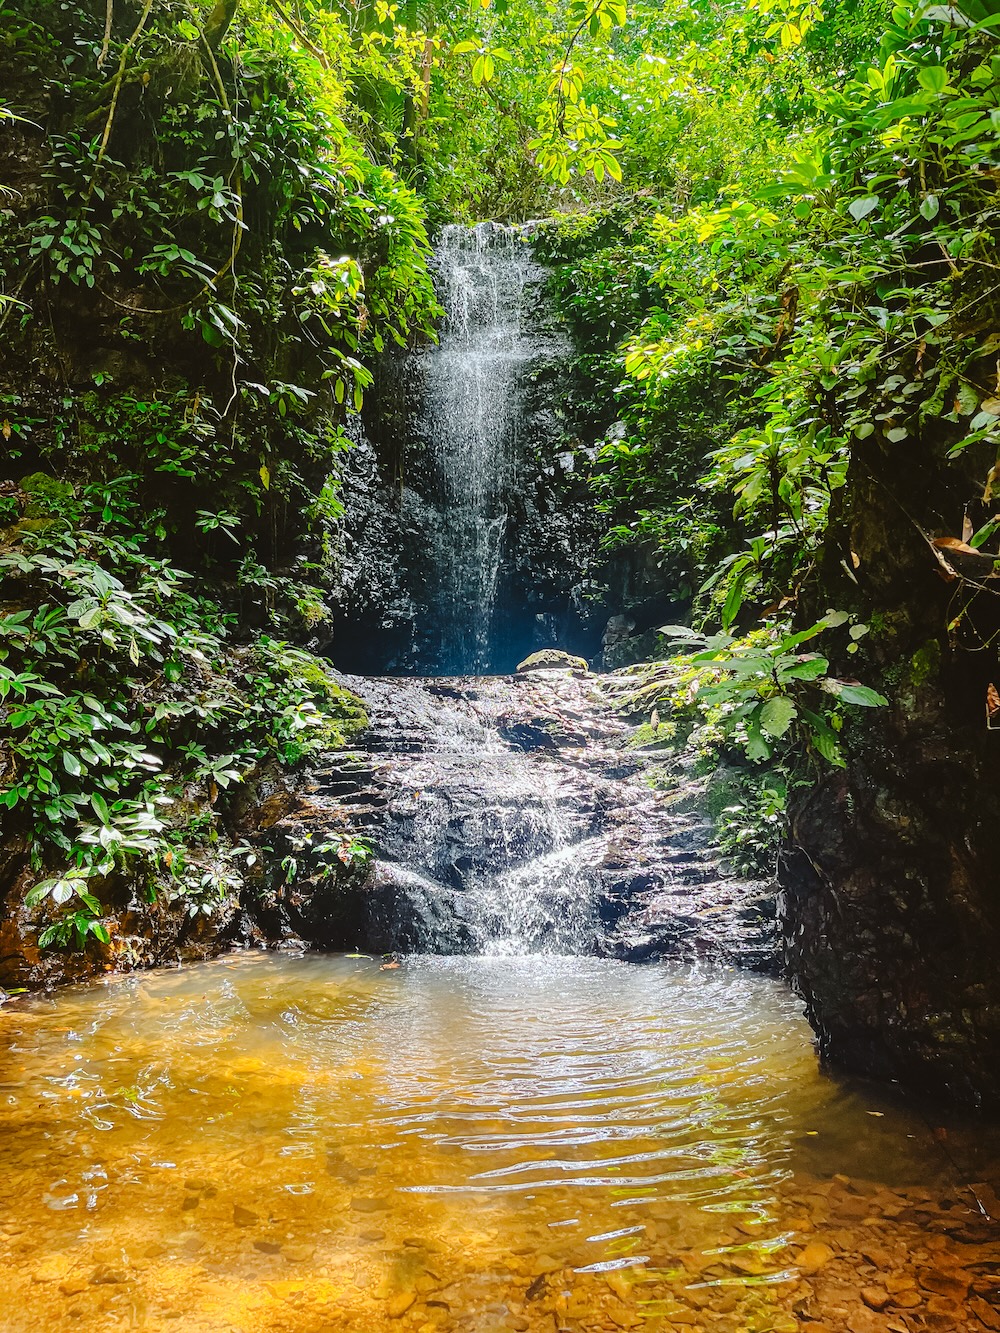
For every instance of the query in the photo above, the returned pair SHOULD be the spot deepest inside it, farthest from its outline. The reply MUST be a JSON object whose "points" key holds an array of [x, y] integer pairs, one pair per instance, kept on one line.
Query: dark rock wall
{"points": [[891, 902]]}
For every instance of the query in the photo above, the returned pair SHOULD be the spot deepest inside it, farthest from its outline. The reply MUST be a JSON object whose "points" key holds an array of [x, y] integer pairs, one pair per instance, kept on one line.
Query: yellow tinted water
{"points": [[285, 1143]]}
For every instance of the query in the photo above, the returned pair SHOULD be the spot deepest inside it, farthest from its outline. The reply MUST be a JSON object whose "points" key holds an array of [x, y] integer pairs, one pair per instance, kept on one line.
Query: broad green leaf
{"points": [[62, 891], [734, 600], [757, 746], [824, 738], [860, 695], [777, 715], [860, 208], [934, 78], [809, 669]]}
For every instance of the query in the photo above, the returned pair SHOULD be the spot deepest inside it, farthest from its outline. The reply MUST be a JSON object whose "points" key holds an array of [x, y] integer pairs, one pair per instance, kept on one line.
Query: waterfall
{"points": [[469, 526], [494, 801], [471, 420]]}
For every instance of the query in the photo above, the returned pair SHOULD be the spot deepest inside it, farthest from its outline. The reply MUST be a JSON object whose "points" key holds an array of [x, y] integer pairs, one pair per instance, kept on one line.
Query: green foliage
{"points": [[129, 712], [754, 331], [322, 860], [760, 693], [247, 254], [751, 828]]}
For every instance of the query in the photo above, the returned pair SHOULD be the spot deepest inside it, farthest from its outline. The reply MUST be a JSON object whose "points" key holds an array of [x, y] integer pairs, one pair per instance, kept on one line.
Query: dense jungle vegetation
{"points": [[772, 232]]}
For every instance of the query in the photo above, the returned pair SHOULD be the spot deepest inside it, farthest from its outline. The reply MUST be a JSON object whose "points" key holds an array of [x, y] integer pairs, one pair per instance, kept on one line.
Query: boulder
{"points": [[552, 659]]}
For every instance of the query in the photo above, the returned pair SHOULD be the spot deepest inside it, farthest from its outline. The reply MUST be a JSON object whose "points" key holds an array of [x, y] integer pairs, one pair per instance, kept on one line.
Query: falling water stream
{"points": [[472, 387], [470, 406], [521, 1138]]}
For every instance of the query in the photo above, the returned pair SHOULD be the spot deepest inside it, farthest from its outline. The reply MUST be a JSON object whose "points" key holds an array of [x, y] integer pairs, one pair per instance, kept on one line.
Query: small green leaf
{"points": [[808, 669], [984, 533]]}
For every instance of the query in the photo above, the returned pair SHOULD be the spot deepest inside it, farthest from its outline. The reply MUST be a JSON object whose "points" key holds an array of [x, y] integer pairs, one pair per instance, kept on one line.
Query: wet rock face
{"points": [[891, 896], [508, 818]]}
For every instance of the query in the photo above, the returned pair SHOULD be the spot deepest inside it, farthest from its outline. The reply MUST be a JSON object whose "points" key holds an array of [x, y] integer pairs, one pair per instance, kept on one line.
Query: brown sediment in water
{"points": [[306, 1144]]}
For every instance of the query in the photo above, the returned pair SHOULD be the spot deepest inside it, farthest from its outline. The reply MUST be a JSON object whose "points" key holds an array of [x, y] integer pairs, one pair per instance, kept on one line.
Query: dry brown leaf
{"points": [[953, 544]]}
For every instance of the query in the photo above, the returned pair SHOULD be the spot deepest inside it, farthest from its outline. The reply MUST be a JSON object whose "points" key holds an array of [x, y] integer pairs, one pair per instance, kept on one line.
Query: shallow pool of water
{"points": [[317, 1143]]}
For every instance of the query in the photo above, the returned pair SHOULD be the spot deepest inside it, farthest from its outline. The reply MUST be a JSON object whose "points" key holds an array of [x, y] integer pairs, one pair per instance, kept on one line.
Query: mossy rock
{"points": [[343, 713], [552, 659], [45, 494]]}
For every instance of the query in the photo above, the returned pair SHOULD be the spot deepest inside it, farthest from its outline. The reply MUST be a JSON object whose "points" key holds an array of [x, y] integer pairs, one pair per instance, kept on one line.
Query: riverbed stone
{"points": [[815, 1256], [553, 659], [398, 1304], [370, 1205]]}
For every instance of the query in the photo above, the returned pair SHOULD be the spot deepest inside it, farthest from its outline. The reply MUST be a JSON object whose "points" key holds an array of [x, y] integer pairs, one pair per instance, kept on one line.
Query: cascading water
{"points": [[471, 419], [495, 835], [491, 851], [488, 849], [469, 530], [509, 821]]}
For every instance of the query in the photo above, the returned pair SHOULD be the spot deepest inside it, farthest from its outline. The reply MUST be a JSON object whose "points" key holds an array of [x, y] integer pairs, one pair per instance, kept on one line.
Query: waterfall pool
{"points": [[307, 1143]]}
